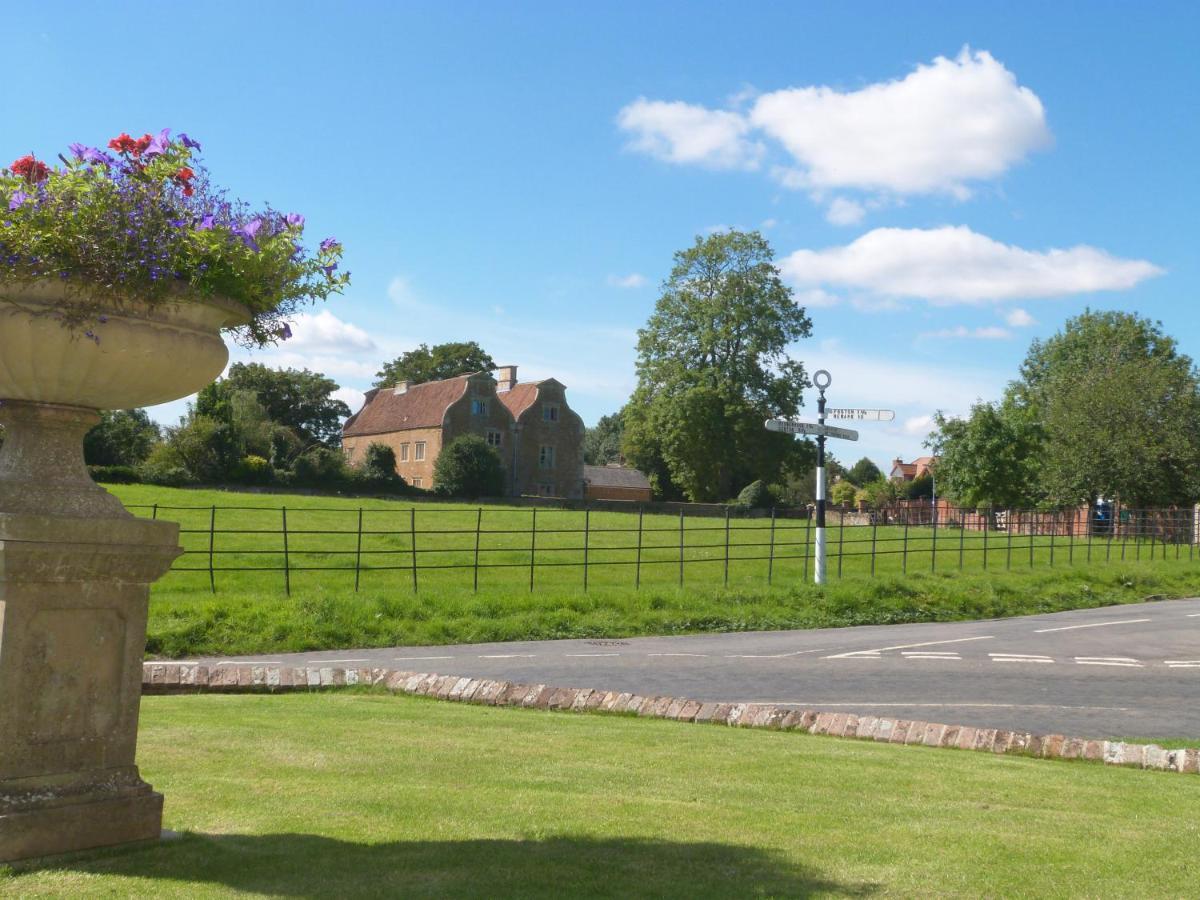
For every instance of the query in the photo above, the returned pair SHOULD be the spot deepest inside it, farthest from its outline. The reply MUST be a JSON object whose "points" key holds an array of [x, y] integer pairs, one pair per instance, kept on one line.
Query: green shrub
{"points": [[379, 463], [253, 470], [755, 495], [115, 474], [468, 467]]}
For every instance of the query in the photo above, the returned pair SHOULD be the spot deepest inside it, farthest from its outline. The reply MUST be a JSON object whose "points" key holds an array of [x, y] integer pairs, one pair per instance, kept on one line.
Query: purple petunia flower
{"points": [[248, 231], [90, 154], [17, 198], [285, 332], [188, 142], [206, 224], [328, 244], [158, 146], [294, 220], [329, 269]]}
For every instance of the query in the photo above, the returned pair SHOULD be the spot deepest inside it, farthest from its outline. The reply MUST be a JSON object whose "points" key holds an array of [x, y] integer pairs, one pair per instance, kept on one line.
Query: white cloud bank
{"points": [[1018, 318], [944, 125], [325, 333], [984, 332], [632, 280], [953, 265]]}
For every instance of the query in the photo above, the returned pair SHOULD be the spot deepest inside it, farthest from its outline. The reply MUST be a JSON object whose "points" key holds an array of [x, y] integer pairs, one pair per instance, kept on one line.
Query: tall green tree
{"points": [[602, 444], [1119, 407], [713, 365], [988, 459], [864, 472], [295, 398], [435, 363], [122, 437]]}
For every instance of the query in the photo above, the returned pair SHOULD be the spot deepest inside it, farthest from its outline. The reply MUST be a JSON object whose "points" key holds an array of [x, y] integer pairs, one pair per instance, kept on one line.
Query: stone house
{"points": [[902, 471], [538, 436]]}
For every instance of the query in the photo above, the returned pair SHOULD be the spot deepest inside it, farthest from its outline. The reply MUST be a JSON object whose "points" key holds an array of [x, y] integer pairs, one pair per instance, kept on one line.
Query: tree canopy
{"points": [[1108, 407], [122, 437], [435, 363], [863, 472], [295, 398], [712, 366], [602, 444]]}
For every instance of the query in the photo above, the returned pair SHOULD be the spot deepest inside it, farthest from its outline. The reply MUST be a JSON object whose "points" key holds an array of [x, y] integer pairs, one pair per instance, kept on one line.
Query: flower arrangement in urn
{"points": [[139, 220]]}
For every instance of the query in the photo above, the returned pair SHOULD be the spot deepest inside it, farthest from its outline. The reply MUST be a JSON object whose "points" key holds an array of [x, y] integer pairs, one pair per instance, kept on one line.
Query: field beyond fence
{"points": [[394, 546]]}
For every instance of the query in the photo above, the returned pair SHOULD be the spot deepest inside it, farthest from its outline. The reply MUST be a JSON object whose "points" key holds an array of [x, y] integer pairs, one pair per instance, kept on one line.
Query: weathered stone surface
{"points": [[790, 721], [1093, 750], [807, 719], [594, 701], [1052, 745], [984, 738], [704, 715], [1154, 757], [1072, 748], [1191, 761], [934, 732], [899, 733], [673, 708], [867, 726]]}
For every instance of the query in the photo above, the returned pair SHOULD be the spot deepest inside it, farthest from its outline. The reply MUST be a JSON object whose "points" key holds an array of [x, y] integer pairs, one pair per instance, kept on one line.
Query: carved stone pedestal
{"points": [[75, 571]]}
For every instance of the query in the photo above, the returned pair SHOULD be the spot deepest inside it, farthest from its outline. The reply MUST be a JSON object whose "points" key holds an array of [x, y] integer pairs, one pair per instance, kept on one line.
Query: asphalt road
{"points": [[1125, 671]]}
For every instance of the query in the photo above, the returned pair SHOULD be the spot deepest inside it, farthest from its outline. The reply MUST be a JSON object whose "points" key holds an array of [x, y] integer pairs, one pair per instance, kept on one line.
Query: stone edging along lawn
{"points": [[183, 678]]}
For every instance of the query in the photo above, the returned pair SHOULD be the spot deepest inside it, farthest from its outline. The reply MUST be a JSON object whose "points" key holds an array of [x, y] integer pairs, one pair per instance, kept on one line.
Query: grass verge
{"points": [[364, 795]]}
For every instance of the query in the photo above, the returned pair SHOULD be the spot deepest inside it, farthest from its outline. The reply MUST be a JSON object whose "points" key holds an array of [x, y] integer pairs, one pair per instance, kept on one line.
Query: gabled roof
{"points": [[421, 406], [615, 477], [519, 397]]}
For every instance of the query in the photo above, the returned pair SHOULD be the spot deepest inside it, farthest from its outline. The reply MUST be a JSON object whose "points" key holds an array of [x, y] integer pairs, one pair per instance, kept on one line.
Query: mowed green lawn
{"points": [[371, 795], [766, 583]]}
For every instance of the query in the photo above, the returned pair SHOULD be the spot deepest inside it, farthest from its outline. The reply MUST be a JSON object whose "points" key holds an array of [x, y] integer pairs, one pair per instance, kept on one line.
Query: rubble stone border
{"points": [[188, 678]]}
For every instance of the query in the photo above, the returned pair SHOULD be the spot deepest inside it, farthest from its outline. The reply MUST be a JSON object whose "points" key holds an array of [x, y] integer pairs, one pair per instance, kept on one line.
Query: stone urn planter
{"points": [[75, 566]]}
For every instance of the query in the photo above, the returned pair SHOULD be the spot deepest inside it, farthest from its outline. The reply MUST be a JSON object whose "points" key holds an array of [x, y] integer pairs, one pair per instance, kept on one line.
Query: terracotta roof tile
{"points": [[421, 406], [519, 397]]}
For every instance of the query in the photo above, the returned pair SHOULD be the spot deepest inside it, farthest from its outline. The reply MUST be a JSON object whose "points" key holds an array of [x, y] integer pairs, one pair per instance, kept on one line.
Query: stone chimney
{"points": [[400, 388], [506, 378]]}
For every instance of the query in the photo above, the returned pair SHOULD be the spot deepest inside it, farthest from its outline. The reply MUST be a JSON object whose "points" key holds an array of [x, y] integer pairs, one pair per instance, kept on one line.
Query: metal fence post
{"points": [[1071, 541], [771, 551], [807, 541], [154, 512], [1053, 529], [933, 546], [1008, 542], [212, 530], [987, 525], [904, 557], [412, 543], [874, 535], [726, 545], [681, 548], [287, 565], [1032, 530], [532, 548], [478, 526], [962, 537], [358, 551], [637, 567], [841, 538], [587, 519]]}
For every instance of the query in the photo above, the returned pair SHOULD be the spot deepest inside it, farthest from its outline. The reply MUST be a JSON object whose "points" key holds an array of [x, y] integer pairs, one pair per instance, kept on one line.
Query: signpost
{"points": [[820, 430]]}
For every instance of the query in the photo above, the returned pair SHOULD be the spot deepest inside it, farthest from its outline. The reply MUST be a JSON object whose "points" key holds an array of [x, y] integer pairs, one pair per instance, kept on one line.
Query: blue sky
{"points": [[941, 182]]}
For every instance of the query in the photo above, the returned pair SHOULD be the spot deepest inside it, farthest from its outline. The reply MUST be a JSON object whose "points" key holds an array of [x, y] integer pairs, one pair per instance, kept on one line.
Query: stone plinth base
{"points": [[62, 825]]}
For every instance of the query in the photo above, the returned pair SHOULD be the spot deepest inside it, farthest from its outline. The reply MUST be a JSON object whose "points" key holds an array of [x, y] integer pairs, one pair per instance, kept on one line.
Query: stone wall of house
{"points": [[564, 478], [418, 473], [461, 419]]}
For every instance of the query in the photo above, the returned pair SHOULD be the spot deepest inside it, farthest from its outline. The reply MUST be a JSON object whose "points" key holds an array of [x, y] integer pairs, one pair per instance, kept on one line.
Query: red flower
{"points": [[188, 190], [123, 143], [185, 174], [141, 144], [30, 169]]}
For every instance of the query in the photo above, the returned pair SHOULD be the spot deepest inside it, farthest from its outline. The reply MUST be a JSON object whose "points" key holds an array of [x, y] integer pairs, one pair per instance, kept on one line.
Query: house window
{"points": [[546, 457], [404, 452], [494, 437], [479, 407], [419, 451], [549, 412], [416, 482]]}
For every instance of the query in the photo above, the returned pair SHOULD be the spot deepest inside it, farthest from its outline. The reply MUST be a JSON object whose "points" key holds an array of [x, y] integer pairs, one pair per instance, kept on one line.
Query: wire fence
{"points": [[261, 548]]}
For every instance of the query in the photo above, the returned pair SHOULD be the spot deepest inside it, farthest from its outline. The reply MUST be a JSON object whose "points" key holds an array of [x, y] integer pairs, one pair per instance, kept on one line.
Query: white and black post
{"points": [[822, 380]]}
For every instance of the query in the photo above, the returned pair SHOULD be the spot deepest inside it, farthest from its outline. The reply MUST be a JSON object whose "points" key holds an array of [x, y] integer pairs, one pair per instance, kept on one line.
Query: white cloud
{"points": [[400, 291], [632, 280], [918, 425], [945, 125], [768, 224], [352, 397], [1018, 318], [325, 333], [816, 298], [845, 212], [685, 133], [952, 265], [985, 332]]}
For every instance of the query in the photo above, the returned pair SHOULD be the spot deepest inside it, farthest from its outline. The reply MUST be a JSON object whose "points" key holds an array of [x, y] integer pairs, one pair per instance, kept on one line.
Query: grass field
{"points": [[762, 587], [369, 795]]}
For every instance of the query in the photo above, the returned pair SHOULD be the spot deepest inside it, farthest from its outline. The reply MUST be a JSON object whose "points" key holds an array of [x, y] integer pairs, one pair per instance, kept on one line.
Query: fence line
{"points": [[777, 541]]}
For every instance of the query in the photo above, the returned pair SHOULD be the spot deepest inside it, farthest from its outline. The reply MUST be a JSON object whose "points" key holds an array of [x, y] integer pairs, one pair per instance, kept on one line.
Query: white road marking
{"points": [[676, 654], [330, 662], [1183, 665], [1193, 615], [591, 654], [1090, 625], [1001, 658], [761, 655], [415, 658], [1109, 661], [249, 662], [1040, 656], [986, 637], [929, 653], [507, 656]]}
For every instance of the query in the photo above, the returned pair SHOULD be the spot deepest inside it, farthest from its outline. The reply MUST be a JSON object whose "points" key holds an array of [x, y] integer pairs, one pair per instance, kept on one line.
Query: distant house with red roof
{"points": [[538, 436], [902, 471]]}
